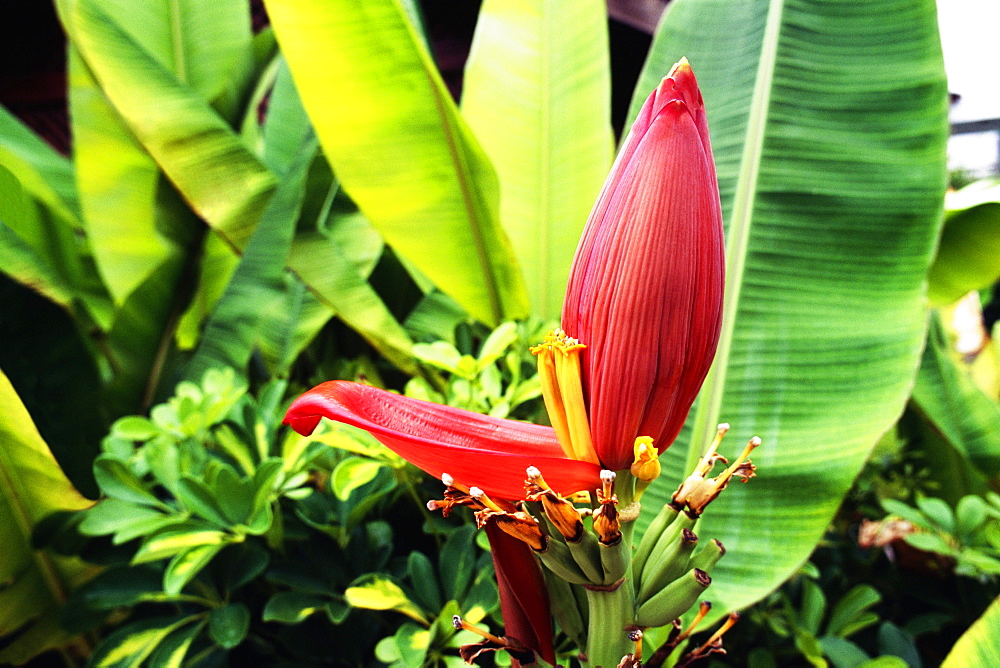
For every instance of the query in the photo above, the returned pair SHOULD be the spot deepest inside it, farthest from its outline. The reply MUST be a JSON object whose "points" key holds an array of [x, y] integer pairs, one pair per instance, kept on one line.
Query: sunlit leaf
{"points": [[828, 124], [970, 243], [396, 141], [978, 646], [536, 93], [379, 593], [35, 582]]}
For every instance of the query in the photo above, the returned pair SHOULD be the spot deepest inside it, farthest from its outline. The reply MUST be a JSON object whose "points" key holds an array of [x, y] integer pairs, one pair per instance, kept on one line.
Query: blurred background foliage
{"points": [[246, 199]]}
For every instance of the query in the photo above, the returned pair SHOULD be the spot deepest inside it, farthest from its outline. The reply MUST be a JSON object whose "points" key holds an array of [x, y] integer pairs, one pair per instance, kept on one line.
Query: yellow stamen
{"points": [[704, 467], [646, 466], [744, 456], [562, 389], [717, 636], [480, 496], [562, 513], [462, 625], [607, 482], [704, 493], [703, 610], [535, 477], [607, 525], [553, 399], [708, 461]]}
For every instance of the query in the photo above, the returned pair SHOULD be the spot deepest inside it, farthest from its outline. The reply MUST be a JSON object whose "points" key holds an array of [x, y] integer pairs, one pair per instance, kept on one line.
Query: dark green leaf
{"points": [[171, 652], [895, 641], [456, 562], [424, 581], [908, 513], [813, 607], [850, 608], [970, 515], [291, 607], [229, 624], [113, 515], [954, 406], [842, 652], [117, 481], [258, 282], [938, 511], [198, 498]]}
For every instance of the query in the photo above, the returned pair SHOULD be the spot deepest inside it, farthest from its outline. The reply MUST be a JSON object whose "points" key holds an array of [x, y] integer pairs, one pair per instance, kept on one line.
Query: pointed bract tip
{"points": [[680, 68]]}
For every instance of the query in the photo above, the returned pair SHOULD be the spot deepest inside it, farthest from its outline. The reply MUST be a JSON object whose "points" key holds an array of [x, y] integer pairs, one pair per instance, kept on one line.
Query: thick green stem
{"points": [[611, 615]]}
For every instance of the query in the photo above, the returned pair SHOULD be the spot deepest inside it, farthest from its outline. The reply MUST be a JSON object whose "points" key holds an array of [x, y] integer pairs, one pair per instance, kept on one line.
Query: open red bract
{"points": [[476, 450]]}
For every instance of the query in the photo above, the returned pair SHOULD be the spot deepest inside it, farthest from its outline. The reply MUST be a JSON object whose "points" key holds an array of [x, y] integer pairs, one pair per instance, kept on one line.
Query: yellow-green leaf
{"points": [[35, 582], [395, 139], [382, 594], [978, 647], [537, 95]]}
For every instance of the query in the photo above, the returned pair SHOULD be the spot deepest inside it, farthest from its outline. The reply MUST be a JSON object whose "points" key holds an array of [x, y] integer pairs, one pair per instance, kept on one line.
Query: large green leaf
{"points": [[829, 126], [970, 243], [955, 407], [18, 257], [978, 647], [196, 148], [41, 170], [35, 582], [537, 95], [257, 285], [398, 145], [50, 230], [333, 254], [117, 183]]}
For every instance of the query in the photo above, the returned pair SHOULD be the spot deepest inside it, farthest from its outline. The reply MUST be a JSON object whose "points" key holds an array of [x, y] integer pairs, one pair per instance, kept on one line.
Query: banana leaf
{"points": [[978, 646], [828, 124], [35, 582], [536, 93], [970, 243], [399, 147]]}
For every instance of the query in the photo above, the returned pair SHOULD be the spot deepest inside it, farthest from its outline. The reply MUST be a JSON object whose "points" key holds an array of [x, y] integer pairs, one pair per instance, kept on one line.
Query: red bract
{"points": [[476, 450], [645, 291]]}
